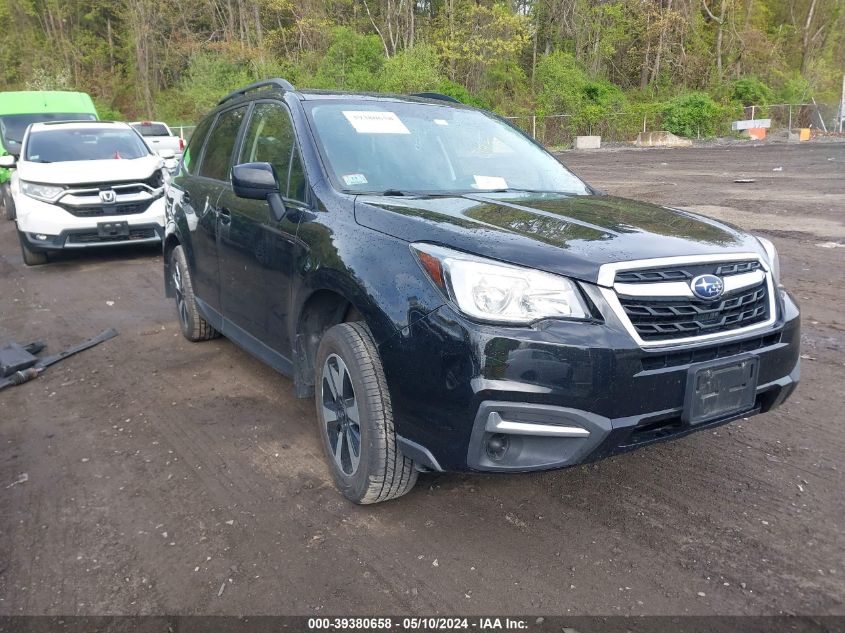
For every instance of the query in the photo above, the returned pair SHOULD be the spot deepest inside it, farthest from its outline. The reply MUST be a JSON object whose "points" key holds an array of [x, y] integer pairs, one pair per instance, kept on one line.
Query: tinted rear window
{"points": [[221, 143], [192, 152], [152, 129]]}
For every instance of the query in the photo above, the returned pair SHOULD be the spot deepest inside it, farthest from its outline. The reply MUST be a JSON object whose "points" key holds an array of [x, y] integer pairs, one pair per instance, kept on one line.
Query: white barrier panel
{"points": [[751, 123]]}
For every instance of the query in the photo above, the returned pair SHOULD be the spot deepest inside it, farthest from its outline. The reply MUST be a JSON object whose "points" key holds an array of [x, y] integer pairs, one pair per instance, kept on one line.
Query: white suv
{"points": [[86, 184]]}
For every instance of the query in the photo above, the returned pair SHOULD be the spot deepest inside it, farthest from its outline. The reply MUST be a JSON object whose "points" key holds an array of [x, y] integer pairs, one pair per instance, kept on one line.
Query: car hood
{"points": [[89, 171], [565, 234]]}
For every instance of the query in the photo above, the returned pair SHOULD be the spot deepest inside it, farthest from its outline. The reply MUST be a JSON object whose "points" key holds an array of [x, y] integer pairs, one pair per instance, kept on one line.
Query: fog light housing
{"points": [[40, 236], [497, 446]]}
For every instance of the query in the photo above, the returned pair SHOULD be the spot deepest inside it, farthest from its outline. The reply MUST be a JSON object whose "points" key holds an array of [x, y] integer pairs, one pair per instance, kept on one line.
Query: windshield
{"points": [[77, 143], [152, 129], [407, 148], [12, 126]]}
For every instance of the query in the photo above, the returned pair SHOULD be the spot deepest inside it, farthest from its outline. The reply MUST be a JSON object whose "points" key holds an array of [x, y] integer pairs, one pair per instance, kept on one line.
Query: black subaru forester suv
{"points": [[453, 297]]}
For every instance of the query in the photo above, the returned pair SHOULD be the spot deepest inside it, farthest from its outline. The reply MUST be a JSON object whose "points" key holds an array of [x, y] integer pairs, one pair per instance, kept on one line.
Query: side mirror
{"points": [[7, 161], [167, 154], [258, 181]]}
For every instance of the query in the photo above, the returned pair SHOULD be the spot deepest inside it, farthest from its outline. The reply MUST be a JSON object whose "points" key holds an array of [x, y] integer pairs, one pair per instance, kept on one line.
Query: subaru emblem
{"points": [[107, 196], [707, 287]]}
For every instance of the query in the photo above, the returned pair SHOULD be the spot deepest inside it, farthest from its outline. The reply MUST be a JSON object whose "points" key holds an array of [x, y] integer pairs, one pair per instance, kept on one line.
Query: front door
{"points": [[256, 250]]}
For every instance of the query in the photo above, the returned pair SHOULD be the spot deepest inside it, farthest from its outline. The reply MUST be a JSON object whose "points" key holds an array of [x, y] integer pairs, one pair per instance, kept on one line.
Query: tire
{"points": [[193, 326], [31, 257], [348, 355], [8, 202]]}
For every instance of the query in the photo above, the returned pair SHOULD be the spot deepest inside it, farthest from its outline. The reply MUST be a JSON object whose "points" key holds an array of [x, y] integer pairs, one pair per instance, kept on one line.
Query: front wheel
{"points": [[31, 257], [355, 418], [8, 202], [193, 326]]}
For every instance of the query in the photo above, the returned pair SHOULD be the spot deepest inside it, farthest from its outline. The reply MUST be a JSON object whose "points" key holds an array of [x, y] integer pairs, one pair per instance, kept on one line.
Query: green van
{"points": [[19, 109]]}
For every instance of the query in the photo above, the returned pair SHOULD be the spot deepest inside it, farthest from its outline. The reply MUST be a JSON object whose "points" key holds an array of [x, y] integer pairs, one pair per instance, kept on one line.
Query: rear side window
{"points": [[221, 142], [270, 139], [152, 129], [192, 152]]}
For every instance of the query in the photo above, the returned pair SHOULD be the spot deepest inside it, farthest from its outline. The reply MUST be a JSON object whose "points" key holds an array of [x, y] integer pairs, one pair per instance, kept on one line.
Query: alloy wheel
{"points": [[181, 305], [341, 416]]}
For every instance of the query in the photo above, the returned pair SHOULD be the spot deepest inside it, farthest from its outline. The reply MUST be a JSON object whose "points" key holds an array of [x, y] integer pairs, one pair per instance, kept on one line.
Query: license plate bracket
{"points": [[113, 229], [720, 388]]}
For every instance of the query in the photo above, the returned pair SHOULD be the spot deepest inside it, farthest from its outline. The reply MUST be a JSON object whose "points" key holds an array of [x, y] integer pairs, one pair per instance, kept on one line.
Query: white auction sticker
{"points": [[441, 121], [490, 182], [372, 122], [355, 179]]}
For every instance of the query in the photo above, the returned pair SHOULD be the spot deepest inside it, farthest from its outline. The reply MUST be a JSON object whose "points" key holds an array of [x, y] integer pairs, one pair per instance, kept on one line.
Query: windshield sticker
{"points": [[441, 121], [369, 122], [355, 179], [490, 182]]}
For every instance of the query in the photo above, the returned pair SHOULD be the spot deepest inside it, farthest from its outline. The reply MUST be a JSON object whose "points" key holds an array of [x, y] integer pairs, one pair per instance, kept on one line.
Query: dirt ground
{"points": [[169, 477]]}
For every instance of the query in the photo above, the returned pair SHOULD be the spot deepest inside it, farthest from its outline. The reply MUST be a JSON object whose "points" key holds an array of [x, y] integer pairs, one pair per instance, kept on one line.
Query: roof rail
{"points": [[435, 95], [284, 84]]}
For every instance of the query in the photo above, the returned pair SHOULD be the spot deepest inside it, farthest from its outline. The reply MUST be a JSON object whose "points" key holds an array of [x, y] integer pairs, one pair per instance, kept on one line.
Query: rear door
{"points": [[203, 194], [256, 249]]}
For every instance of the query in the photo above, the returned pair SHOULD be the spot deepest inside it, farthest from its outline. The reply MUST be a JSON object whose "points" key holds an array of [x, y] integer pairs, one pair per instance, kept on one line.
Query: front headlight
{"points": [[47, 193], [491, 291], [772, 256]]}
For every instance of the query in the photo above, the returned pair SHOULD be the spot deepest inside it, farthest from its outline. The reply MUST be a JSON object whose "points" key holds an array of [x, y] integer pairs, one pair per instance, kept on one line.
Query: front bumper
{"points": [[62, 230], [589, 376]]}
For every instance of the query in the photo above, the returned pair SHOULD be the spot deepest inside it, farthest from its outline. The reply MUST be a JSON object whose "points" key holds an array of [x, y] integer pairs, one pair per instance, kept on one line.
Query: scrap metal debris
{"points": [[19, 363], [22, 478]]}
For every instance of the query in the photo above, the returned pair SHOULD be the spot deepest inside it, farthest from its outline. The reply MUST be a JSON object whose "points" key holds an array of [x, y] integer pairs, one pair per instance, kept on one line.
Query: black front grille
{"points": [[687, 272], [127, 208], [713, 352], [665, 319], [93, 237]]}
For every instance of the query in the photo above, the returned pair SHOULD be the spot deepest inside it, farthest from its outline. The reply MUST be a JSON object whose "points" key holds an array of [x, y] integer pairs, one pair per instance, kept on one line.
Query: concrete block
{"points": [[587, 142], [661, 139]]}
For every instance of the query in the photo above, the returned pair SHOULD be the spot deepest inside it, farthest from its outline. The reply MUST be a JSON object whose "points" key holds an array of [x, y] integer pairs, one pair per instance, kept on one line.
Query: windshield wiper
{"points": [[415, 194], [517, 190]]}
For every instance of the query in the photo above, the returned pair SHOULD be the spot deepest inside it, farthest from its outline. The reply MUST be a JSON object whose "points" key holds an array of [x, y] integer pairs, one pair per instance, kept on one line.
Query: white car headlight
{"points": [[772, 256], [492, 291], [48, 193]]}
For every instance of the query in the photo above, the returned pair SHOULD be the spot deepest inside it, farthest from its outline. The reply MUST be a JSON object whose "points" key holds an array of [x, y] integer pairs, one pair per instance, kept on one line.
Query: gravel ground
{"points": [[166, 477]]}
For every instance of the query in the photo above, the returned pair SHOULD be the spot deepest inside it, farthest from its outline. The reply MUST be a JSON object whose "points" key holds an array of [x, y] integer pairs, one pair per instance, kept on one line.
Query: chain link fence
{"points": [[183, 131], [560, 130], [791, 116]]}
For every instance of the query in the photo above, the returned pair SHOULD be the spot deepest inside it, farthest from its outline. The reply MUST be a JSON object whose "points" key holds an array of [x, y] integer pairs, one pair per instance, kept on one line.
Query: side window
{"points": [[192, 152], [270, 139], [221, 142]]}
